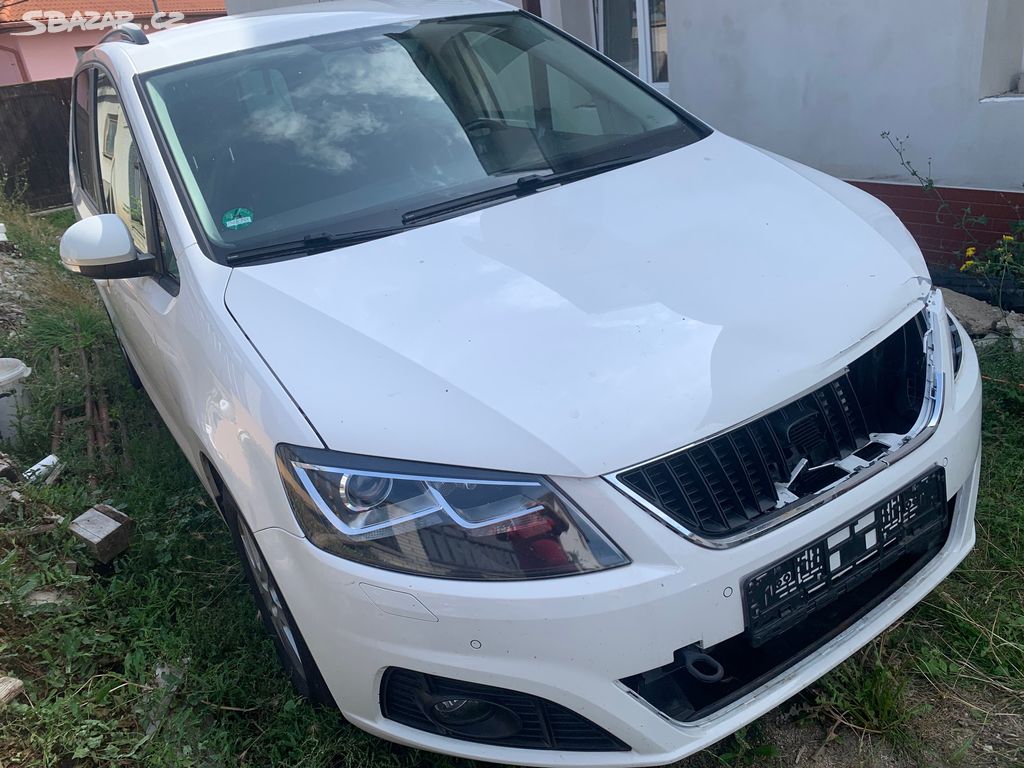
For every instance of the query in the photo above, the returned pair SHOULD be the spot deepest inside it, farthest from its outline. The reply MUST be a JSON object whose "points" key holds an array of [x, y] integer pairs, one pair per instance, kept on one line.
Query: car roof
{"points": [[226, 34]]}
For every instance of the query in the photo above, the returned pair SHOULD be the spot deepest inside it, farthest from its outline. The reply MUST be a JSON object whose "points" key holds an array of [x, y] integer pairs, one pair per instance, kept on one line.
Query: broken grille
{"points": [[750, 474]]}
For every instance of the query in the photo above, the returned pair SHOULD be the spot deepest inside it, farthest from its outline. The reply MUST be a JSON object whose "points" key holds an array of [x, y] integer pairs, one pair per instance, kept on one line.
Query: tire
{"points": [[292, 651]]}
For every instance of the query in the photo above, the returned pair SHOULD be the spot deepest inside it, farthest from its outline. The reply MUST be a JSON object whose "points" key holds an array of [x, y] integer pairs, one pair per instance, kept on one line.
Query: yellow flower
{"points": [[1007, 238], [967, 265], [971, 251]]}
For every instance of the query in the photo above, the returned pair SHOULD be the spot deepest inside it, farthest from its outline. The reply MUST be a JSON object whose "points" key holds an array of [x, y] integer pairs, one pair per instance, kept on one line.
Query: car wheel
{"points": [[278, 621]]}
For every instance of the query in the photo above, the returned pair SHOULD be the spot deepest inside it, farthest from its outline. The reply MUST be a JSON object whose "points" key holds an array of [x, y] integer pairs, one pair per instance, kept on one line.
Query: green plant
{"points": [[13, 183], [746, 748], [1004, 260], [961, 217], [869, 696]]}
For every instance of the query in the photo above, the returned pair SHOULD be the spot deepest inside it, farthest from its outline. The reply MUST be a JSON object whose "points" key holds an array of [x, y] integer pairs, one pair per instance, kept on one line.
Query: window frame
{"points": [[645, 42], [150, 207]]}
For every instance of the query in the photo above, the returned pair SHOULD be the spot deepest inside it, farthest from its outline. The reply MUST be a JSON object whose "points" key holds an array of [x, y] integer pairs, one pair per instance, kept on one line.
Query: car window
{"points": [[84, 141], [121, 174], [347, 131], [168, 261], [125, 186]]}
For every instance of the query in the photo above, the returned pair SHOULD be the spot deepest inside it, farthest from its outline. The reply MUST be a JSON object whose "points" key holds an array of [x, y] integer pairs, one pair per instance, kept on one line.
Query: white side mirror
{"points": [[100, 247]]}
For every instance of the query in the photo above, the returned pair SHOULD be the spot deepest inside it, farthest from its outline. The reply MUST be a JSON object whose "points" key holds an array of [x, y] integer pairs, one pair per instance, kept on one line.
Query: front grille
{"points": [[744, 477], [543, 724]]}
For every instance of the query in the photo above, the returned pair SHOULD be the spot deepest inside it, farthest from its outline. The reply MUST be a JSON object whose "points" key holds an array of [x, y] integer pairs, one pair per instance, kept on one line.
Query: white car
{"points": [[553, 426]]}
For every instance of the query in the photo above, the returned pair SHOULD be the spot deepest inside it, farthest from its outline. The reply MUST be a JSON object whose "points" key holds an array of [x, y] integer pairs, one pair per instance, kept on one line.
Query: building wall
{"points": [[574, 16], [46, 56], [820, 80], [11, 71], [51, 55]]}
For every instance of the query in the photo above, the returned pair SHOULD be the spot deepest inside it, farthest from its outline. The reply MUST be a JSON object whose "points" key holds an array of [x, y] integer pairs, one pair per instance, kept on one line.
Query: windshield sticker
{"points": [[236, 218]]}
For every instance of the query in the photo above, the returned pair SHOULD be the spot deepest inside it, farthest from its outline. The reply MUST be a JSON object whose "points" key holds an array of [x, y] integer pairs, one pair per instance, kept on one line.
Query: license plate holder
{"points": [[778, 597]]}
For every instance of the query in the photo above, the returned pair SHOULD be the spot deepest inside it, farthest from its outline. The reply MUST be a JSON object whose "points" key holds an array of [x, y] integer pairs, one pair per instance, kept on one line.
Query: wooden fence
{"points": [[34, 141]]}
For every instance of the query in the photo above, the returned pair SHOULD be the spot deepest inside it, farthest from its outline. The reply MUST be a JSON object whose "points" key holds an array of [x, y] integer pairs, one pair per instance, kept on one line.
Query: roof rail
{"points": [[126, 33]]}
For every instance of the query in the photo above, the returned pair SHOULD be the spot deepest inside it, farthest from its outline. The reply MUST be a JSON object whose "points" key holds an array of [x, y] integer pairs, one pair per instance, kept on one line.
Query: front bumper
{"points": [[571, 640]]}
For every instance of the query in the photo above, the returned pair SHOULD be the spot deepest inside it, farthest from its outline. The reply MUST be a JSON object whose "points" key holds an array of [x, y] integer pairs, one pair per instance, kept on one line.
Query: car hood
{"points": [[588, 327]]}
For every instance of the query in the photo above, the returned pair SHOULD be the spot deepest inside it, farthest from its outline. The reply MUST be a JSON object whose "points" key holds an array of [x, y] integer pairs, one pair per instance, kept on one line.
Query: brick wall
{"points": [[941, 239], [935, 230]]}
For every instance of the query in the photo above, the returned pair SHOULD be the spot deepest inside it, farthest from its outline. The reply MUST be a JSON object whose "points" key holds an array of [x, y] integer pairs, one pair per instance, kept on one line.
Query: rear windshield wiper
{"points": [[311, 244], [524, 185]]}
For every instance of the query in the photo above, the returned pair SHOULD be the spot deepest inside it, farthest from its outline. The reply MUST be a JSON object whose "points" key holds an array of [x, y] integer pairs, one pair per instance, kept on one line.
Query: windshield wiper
{"points": [[311, 244], [524, 185]]}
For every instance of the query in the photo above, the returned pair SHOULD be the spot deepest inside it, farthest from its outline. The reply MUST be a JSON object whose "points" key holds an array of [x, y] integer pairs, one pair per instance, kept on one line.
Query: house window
{"points": [[658, 22], [634, 33], [1002, 61]]}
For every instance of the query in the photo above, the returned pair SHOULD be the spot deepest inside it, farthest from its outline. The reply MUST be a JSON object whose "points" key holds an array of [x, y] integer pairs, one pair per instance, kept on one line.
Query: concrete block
{"points": [[105, 531]]}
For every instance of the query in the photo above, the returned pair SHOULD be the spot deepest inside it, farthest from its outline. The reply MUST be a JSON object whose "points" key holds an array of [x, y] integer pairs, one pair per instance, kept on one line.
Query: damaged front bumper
{"points": [[582, 642]]}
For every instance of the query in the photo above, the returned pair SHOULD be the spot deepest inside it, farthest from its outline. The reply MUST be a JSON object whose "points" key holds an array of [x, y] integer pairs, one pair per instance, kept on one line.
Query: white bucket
{"points": [[12, 373]]}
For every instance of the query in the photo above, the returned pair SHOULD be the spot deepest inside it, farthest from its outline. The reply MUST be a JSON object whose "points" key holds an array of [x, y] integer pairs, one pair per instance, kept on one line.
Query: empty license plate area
{"points": [[780, 596]]}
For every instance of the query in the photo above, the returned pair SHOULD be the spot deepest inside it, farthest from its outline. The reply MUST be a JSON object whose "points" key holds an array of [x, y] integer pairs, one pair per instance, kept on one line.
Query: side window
{"points": [[167, 257], [125, 186], [120, 165], [85, 141]]}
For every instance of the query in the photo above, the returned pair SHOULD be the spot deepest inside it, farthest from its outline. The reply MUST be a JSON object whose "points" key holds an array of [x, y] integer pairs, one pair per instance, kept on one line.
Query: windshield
{"points": [[349, 132]]}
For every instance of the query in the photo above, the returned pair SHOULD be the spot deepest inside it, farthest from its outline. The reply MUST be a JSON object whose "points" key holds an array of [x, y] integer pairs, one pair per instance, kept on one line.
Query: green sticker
{"points": [[236, 218]]}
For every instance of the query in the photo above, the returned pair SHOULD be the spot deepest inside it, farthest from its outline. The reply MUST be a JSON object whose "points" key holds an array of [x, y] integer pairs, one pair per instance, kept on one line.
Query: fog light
{"points": [[472, 718], [484, 713], [456, 712]]}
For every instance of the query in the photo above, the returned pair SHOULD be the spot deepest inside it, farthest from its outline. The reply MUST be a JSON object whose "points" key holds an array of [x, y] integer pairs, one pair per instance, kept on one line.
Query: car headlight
{"points": [[448, 522]]}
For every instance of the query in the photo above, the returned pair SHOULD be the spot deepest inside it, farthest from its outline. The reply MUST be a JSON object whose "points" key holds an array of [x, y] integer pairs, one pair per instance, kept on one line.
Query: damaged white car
{"points": [[552, 426]]}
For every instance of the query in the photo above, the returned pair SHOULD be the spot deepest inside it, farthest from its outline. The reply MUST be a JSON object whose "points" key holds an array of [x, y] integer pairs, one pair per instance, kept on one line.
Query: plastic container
{"points": [[13, 373]]}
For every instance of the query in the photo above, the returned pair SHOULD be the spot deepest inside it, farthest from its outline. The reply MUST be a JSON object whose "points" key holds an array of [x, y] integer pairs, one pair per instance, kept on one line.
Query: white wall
{"points": [[820, 80]]}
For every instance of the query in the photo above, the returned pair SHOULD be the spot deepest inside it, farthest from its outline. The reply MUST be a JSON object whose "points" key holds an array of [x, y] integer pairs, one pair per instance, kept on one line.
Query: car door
{"points": [[142, 308]]}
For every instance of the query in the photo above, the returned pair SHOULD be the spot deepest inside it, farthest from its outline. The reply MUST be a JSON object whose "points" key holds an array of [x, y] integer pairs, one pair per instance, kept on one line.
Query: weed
{"points": [[869, 696], [746, 748]]}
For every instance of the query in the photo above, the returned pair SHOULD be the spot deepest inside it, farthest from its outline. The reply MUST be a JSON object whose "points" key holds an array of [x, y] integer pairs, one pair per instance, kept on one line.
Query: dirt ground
{"points": [[14, 272]]}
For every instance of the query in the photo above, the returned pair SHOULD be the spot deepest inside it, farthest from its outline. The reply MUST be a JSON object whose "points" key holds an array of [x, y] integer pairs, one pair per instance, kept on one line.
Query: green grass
{"points": [[177, 600]]}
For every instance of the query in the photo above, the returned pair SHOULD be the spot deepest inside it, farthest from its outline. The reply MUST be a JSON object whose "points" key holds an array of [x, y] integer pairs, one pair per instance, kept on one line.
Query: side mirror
{"points": [[101, 248]]}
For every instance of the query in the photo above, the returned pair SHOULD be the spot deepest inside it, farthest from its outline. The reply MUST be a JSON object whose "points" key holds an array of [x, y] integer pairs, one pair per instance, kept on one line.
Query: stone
{"points": [[1012, 325], [8, 468], [978, 317]]}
